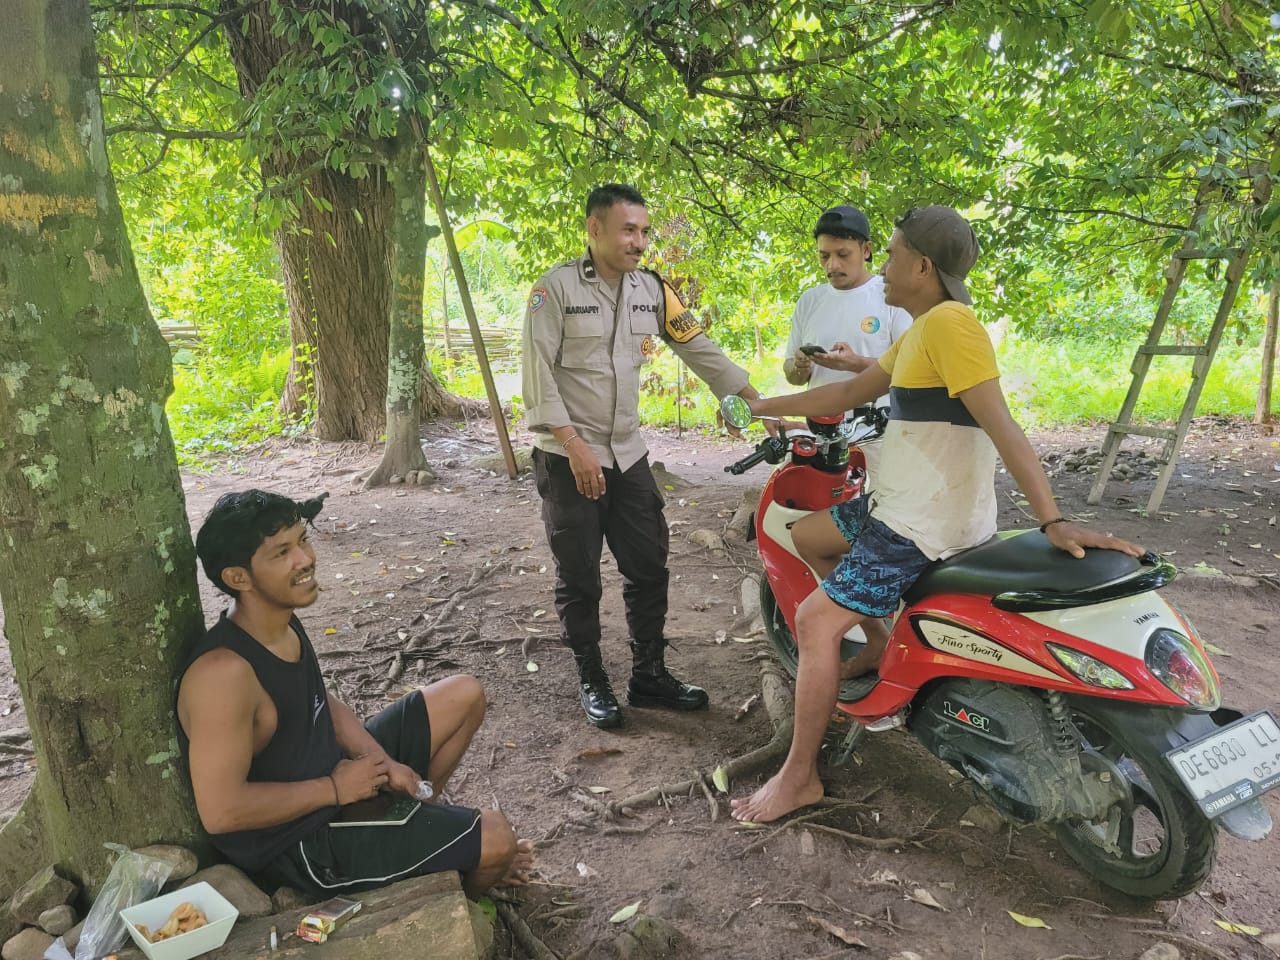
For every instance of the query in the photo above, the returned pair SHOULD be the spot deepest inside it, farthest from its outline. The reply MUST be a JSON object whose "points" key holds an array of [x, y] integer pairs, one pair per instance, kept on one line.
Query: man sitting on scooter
{"points": [[949, 421]]}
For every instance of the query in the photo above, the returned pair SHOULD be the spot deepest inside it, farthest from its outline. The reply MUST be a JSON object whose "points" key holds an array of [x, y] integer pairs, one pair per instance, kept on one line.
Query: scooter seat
{"points": [[1029, 573]]}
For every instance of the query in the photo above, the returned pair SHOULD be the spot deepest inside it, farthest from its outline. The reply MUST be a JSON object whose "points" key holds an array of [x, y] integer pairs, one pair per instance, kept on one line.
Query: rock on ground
{"points": [[287, 898], [29, 944], [46, 889], [182, 862], [232, 883], [651, 938], [58, 920], [1161, 951]]}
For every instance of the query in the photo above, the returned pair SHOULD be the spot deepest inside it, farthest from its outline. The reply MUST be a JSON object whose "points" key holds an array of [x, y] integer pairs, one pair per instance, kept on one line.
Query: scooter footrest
{"points": [[899, 719], [854, 690]]}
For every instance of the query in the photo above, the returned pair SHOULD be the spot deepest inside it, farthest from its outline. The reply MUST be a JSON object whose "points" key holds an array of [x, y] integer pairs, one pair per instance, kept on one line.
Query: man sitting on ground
{"points": [[274, 756]]}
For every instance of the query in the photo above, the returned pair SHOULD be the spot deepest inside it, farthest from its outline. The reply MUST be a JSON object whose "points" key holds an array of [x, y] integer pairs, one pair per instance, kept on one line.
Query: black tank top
{"points": [[304, 746]]}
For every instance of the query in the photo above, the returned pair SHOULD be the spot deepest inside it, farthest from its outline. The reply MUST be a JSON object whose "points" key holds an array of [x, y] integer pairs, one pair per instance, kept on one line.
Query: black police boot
{"points": [[652, 685], [598, 701]]}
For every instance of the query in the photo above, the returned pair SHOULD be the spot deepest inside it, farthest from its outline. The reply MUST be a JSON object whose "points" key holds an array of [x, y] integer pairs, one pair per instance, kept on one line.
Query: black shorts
{"points": [[437, 838]]}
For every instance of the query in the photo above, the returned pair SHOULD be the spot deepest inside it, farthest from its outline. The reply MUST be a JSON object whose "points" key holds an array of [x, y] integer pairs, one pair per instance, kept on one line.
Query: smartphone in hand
{"points": [[809, 349]]}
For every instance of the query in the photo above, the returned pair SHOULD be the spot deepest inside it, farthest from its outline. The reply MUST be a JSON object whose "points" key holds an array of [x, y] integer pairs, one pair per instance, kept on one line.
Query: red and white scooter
{"points": [[1068, 691]]}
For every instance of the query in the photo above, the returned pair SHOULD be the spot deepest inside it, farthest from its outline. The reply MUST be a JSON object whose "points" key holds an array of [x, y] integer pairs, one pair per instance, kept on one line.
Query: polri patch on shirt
{"points": [[536, 299], [648, 346], [682, 326]]}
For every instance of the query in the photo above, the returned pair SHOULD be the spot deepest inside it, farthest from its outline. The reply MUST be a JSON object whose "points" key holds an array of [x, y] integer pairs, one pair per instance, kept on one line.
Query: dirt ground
{"points": [[390, 559]]}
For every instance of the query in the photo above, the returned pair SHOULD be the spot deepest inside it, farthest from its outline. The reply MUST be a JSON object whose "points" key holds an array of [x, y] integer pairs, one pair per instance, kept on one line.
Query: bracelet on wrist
{"points": [[568, 440], [1049, 523], [334, 783]]}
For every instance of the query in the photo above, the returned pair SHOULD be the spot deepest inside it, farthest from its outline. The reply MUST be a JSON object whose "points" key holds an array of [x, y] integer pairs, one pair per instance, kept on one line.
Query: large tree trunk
{"points": [[97, 569], [402, 454], [337, 273]]}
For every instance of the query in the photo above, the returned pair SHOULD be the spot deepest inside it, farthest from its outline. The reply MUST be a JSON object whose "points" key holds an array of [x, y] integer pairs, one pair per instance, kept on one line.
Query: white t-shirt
{"points": [[859, 317]]}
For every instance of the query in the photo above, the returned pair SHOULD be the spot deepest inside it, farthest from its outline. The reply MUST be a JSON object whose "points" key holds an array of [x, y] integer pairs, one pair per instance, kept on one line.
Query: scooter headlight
{"points": [[1180, 665], [1089, 669]]}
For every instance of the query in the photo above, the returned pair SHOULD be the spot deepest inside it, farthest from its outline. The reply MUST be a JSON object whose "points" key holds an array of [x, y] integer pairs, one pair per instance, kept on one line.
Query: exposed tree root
{"points": [[522, 935], [740, 523], [778, 702]]}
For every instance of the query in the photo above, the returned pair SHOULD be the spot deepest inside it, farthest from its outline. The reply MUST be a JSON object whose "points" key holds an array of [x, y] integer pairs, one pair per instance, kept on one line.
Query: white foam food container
{"points": [[155, 913]]}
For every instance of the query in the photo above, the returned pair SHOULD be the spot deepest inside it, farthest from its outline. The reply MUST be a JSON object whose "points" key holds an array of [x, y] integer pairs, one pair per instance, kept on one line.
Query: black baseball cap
{"points": [[844, 221], [946, 238]]}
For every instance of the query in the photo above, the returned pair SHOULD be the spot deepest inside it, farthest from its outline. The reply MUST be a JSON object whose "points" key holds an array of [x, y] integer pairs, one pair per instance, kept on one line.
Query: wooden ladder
{"points": [[1202, 354]]}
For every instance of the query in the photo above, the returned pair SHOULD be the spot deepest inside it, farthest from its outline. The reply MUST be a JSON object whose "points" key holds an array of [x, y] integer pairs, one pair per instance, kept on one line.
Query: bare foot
{"points": [[517, 874], [775, 799], [864, 663]]}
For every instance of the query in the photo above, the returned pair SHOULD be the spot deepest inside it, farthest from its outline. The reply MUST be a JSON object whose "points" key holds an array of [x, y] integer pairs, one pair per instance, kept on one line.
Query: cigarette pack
{"points": [[326, 918], [305, 932]]}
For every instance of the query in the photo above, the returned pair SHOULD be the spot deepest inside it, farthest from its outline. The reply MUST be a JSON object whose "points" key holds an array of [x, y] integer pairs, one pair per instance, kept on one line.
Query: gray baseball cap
{"points": [[946, 238]]}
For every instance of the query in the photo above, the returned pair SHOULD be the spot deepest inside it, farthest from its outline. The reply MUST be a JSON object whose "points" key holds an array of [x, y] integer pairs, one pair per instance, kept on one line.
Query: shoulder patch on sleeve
{"points": [[537, 298], [681, 326]]}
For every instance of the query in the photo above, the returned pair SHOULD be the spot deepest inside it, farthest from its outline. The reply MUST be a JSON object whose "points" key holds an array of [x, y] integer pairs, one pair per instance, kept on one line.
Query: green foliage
{"points": [[1065, 381], [218, 406]]}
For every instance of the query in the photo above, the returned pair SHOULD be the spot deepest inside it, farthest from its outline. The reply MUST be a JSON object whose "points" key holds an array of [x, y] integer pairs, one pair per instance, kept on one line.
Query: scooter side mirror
{"points": [[736, 412]]}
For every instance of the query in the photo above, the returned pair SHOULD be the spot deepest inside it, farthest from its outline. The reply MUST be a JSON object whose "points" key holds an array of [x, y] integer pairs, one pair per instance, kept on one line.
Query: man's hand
{"points": [[587, 473], [359, 779], [402, 778], [753, 398], [1073, 539], [842, 357], [802, 368]]}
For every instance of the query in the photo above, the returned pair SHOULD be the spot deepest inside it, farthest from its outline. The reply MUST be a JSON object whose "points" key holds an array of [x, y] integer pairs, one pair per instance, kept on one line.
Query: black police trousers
{"points": [[629, 516]]}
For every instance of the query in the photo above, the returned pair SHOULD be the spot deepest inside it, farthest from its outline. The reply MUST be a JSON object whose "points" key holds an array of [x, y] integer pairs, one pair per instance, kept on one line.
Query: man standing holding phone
{"points": [[840, 327], [838, 330]]}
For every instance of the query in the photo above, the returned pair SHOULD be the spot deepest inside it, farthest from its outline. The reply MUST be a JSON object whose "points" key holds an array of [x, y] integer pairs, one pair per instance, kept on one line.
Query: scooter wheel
{"points": [[1160, 846]]}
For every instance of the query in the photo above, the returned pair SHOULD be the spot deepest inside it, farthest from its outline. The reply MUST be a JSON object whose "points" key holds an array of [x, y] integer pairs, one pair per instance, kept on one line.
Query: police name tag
{"points": [[1231, 766]]}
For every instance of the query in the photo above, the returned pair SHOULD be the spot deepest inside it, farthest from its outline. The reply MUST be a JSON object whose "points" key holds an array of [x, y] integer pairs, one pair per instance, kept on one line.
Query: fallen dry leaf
{"points": [[840, 933], [921, 895], [587, 872], [594, 752]]}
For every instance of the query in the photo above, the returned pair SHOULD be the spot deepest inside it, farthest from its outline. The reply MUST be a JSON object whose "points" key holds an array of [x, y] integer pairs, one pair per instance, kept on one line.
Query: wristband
{"points": [[1049, 523], [336, 801], [570, 440]]}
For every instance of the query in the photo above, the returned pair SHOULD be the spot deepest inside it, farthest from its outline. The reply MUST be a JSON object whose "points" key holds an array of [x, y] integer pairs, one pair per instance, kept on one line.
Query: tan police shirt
{"points": [[586, 341]]}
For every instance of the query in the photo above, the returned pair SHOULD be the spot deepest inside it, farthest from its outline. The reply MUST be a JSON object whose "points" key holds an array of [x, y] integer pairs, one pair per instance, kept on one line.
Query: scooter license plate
{"points": [[1231, 766]]}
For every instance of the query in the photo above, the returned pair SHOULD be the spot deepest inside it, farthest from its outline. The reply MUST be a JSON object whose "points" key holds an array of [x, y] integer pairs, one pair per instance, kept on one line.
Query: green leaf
{"points": [[626, 913], [1028, 921], [720, 777]]}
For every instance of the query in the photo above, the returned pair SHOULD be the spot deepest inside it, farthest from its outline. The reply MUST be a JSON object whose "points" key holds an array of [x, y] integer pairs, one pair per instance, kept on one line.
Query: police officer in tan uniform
{"points": [[591, 325]]}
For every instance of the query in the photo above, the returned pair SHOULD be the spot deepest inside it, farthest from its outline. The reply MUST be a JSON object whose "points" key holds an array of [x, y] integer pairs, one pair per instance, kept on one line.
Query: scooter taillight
{"points": [[1178, 663]]}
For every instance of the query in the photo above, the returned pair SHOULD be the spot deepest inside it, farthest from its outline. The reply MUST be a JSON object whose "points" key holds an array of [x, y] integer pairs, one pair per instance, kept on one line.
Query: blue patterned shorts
{"points": [[880, 567]]}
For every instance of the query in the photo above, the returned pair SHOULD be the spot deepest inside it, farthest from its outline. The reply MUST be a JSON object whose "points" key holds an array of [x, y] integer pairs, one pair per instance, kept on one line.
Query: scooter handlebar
{"points": [[771, 450]]}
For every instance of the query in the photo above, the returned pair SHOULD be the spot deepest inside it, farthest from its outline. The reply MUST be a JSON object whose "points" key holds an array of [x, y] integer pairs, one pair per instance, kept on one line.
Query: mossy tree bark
{"points": [[407, 172], [337, 266], [97, 568]]}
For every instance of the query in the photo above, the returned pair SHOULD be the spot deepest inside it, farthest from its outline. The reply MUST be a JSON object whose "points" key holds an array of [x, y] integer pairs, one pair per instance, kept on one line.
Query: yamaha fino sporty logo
{"points": [[953, 639]]}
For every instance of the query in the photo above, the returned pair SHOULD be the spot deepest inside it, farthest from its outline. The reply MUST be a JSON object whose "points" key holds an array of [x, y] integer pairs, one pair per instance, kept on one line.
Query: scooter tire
{"points": [[1188, 846], [788, 654]]}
